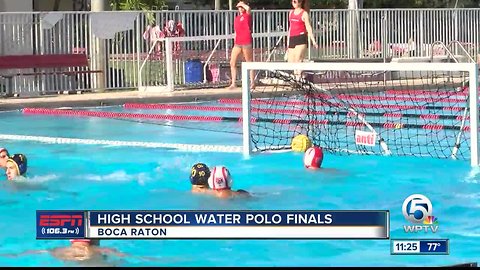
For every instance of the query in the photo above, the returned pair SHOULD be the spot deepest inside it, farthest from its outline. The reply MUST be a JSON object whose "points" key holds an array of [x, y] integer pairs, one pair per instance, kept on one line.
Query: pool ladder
{"points": [[448, 50]]}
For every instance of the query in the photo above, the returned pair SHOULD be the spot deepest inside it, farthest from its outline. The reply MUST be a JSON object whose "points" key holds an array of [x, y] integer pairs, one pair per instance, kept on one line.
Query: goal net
{"points": [[415, 109]]}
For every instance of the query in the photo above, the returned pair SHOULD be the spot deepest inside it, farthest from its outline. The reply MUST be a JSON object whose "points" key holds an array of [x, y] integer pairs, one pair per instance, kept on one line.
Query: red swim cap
{"points": [[80, 240], [313, 158]]}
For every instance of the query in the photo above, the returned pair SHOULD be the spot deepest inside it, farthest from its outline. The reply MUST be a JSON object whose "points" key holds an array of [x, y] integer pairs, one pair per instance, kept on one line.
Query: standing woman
{"points": [[243, 43], [300, 32]]}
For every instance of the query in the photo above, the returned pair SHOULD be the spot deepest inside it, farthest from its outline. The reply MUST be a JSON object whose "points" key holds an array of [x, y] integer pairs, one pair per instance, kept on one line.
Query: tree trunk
{"points": [[56, 5]]}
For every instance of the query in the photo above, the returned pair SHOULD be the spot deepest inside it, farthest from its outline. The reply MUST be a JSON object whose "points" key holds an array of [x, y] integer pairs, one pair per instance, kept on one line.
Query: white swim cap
{"points": [[220, 178]]}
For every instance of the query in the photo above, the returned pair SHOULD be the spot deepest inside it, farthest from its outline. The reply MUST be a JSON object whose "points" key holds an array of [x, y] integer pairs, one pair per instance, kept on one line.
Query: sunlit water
{"points": [[87, 177]]}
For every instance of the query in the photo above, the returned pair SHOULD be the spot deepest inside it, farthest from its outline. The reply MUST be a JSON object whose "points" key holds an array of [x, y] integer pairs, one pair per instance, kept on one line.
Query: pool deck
{"points": [[118, 97]]}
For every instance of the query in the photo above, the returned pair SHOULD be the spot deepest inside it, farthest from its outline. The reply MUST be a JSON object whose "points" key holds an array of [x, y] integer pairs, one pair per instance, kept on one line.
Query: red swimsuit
{"points": [[298, 30]]}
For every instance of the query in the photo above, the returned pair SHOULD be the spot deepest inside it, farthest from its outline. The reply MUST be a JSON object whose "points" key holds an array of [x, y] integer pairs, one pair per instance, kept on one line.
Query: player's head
{"points": [[3, 157], [86, 242], [240, 7], [313, 158], [301, 4], [199, 174], [16, 165], [220, 179]]}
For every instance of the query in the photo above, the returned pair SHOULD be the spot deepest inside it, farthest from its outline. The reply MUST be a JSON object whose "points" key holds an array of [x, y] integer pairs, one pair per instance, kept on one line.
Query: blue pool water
{"points": [[78, 176]]}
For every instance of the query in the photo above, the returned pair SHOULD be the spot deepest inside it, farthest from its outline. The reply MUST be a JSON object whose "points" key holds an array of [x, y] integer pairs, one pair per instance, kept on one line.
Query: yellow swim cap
{"points": [[301, 143]]}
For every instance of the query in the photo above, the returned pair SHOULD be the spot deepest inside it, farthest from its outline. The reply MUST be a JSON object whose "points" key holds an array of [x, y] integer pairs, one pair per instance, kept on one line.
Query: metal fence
{"points": [[114, 42]]}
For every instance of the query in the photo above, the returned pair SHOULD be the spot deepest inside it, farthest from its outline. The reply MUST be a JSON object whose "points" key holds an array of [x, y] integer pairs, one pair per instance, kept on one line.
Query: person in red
{"points": [[173, 29], [300, 32], [243, 43]]}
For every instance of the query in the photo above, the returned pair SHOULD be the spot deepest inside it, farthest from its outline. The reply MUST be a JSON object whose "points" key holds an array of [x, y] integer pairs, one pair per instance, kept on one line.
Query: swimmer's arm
{"points": [[117, 253], [28, 252], [205, 191], [73, 193], [112, 251], [243, 193], [53, 190], [210, 191], [25, 185]]}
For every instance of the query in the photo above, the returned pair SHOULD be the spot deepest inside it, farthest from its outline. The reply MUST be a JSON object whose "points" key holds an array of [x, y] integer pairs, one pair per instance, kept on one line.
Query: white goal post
{"points": [[449, 78]]}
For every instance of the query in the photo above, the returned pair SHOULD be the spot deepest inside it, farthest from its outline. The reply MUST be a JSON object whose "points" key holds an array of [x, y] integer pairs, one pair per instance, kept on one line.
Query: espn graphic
{"points": [[220, 224], [60, 224]]}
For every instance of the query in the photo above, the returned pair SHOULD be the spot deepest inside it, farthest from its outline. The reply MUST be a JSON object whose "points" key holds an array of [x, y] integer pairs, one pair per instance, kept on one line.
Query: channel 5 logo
{"points": [[418, 210]]}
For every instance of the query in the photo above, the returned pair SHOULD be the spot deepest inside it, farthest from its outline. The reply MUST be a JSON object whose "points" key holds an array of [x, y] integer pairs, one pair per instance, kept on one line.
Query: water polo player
{"points": [[220, 181], [3, 157], [16, 167], [313, 158], [199, 178]]}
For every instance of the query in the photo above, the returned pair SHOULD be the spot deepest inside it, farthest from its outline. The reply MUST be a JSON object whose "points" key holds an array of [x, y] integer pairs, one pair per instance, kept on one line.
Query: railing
{"points": [[208, 61], [174, 61], [445, 48], [366, 33], [462, 48], [451, 55]]}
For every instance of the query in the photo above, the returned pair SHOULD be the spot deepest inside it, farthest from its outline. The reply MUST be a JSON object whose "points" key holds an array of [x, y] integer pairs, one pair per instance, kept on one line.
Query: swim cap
{"points": [[92, 242], [20, 160], [301, 143], [199, 174], [313, 158], [220, 178], [80, 241]]}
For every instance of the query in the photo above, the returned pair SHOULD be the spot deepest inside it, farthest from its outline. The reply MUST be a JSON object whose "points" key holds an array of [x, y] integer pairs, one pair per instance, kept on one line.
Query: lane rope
{"points": [[175, 146]]}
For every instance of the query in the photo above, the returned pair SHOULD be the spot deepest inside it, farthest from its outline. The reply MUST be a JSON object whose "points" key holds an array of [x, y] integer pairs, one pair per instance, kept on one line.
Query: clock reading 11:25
{"points": [[420, 246]]}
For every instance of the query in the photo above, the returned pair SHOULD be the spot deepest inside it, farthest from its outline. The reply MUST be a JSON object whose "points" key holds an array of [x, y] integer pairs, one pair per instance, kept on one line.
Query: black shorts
{"points": [[297, 40]]}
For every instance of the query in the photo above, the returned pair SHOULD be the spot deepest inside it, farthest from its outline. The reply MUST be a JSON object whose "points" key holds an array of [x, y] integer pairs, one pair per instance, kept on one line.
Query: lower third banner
{"points": [[302, 224]]}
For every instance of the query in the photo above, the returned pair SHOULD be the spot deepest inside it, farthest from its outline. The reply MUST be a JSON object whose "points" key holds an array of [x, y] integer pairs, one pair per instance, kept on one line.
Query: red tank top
{"points": [[297, 26], [243, 29]]}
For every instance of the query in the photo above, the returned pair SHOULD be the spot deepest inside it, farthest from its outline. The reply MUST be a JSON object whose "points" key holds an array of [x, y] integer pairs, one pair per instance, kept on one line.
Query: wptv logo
{"points": [[418, 210]]}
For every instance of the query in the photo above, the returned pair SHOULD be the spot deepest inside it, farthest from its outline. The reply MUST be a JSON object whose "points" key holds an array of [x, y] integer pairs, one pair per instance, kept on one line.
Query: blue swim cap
{"points": [[20, 160], [199, 174]]}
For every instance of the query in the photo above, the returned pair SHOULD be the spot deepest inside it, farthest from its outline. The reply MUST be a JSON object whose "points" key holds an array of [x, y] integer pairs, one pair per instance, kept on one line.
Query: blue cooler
{"points": [[193, 71]]}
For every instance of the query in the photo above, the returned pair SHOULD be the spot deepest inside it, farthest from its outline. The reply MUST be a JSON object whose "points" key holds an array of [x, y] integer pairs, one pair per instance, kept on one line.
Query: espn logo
{"points": [[365, 138], [61, 220]]}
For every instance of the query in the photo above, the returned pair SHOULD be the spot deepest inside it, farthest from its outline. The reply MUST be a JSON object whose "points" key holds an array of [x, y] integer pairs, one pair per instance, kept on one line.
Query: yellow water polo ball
{"points": [[301, 143]]}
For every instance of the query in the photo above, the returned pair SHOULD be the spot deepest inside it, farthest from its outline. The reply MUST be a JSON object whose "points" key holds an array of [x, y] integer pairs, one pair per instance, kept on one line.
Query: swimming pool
{"points": [[82, 176]]}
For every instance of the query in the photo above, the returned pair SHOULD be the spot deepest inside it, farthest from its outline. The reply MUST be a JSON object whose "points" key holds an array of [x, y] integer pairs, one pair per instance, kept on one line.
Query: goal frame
{"points": [[470, 68]]}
